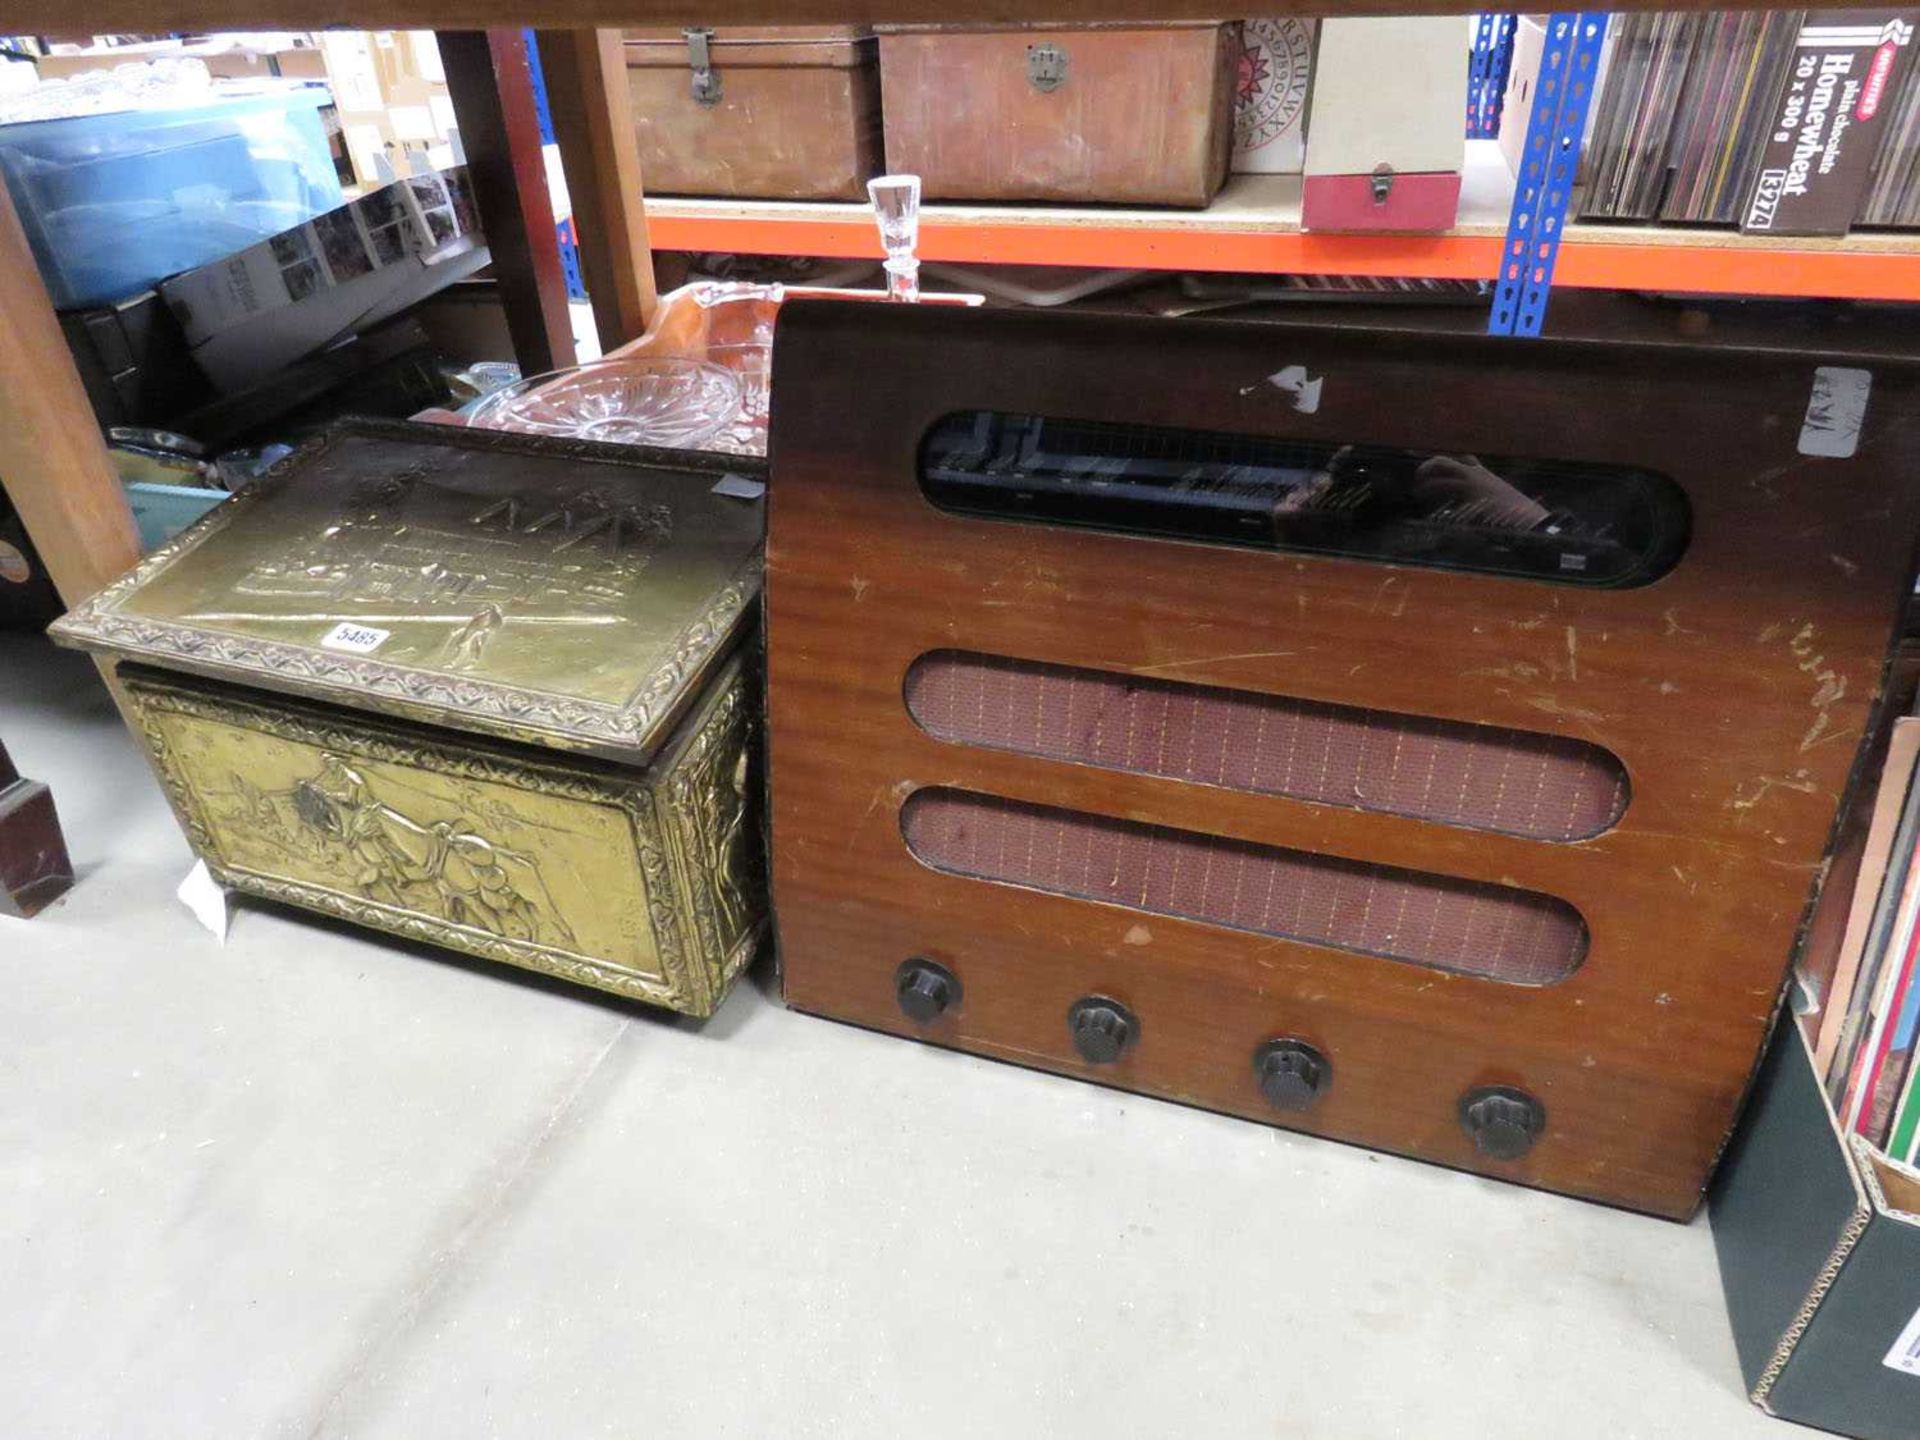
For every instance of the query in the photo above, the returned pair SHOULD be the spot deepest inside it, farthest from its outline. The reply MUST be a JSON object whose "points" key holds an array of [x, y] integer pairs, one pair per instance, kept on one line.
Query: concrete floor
{"points": [[313, 1183]]}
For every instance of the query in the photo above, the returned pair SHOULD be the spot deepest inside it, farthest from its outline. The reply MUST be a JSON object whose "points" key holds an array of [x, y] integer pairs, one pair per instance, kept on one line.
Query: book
{"points": [[1849, 1016], [1894, 1116], [1833, 991], [1869, 1105], [1848, 68], [1903, 1138]]}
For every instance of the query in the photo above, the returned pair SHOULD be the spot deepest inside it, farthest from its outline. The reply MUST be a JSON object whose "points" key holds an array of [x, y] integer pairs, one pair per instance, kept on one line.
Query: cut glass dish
{"points": [[679, 404]]}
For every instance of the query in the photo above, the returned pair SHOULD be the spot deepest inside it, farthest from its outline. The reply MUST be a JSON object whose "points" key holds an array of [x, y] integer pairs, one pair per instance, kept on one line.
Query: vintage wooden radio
{"points": [[479, 689], [1430, 742]]}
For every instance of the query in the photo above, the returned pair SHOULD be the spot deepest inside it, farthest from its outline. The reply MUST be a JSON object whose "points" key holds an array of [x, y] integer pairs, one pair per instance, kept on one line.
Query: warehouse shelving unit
{"points": [[54, 465], [1254, 226]]}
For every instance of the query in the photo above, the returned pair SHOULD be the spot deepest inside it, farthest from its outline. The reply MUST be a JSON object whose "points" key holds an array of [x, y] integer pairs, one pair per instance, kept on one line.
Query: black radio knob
{"points": [[1102, 1029], [1292, 1074], [926, 990], [1503, 1122]]}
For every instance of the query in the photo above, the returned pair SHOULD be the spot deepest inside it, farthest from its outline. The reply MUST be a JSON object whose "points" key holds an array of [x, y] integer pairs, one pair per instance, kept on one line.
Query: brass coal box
{"points": [[485, 690]]}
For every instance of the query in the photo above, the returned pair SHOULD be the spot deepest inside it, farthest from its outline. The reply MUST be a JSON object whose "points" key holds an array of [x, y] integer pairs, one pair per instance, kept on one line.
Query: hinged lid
{"points": [[821, 46], [555, 592], [1055, 27]]}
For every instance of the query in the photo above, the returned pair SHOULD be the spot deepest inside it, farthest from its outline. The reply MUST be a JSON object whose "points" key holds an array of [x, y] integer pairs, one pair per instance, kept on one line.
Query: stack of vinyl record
{"points": [[1684, 112], [1627, 157], [1894, 197], [1739, 62]]}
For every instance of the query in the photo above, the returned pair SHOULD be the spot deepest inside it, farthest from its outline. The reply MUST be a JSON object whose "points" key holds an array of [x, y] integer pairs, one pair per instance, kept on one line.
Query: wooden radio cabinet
{"points": [[1427, 742]]}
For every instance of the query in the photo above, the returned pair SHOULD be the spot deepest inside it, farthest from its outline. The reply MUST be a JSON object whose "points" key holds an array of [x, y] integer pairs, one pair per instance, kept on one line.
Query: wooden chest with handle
{"points": [[1128, 114], [774, 112]]}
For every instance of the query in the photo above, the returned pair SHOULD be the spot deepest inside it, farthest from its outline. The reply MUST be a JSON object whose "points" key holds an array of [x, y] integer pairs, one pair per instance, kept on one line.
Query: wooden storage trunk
{"points": [[776, 112], [472, 688], [1139, 114]]}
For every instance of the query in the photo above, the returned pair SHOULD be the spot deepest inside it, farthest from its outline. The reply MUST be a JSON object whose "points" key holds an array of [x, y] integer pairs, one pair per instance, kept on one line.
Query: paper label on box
{"points": [[209, 299], [355, 639], [206, 899], [1905, 1354], [738, 487], [1836, 409]]}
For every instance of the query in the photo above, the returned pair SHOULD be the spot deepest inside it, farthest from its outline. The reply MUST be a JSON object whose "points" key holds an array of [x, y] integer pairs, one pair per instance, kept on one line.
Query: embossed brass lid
{"points": [[569, 595]]}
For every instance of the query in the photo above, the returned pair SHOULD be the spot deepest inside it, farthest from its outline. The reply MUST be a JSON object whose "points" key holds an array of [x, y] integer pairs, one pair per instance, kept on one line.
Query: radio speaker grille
{"points": [[1541, 787], [1517, 936]]}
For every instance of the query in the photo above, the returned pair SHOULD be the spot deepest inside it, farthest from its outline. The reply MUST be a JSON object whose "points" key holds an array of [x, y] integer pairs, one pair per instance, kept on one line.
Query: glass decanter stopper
{"points": [[896, 209]]}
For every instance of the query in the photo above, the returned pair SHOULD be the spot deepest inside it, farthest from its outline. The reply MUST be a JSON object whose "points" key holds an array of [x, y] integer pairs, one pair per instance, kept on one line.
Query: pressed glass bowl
{"points": [[675, 403], [751, 364]]}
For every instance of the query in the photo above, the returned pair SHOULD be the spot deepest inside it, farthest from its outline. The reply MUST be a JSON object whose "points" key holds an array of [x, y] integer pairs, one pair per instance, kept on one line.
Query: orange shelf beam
{"points": [[1133, 247], [1880, 268], [1737, 268]]}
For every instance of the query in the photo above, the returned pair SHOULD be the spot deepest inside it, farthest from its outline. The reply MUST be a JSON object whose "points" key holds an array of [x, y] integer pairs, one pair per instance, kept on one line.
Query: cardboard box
{"points": [[226, 57], [382, 151], [390, 91], [288, 296], [304, 63], [1516, 104]]}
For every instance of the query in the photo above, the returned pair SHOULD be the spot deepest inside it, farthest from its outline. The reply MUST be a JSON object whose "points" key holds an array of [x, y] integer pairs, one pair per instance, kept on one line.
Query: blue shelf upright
{"points": [[569, 248], [1487, 79], [1561, 98]]}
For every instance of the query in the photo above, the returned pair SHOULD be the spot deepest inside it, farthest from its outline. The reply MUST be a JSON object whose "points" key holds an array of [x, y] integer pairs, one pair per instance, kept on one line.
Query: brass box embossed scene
{"points": [[483, 690]]}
